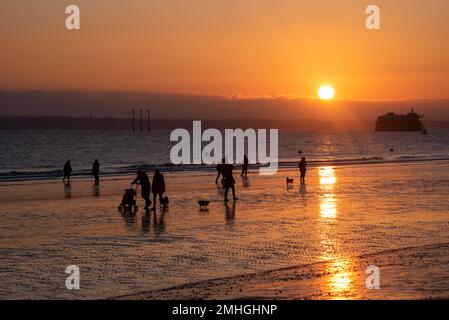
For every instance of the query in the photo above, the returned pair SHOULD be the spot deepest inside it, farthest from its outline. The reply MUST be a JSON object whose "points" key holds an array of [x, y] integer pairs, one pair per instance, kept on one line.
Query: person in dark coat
{"points": [[96, 171], [158, 187], [67, 171], [220, 169], [245, 166], [302, 169], [228, 181], [145, 186]]}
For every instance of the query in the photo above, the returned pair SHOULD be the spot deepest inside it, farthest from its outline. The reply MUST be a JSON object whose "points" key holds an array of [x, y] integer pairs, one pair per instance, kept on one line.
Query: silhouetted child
{"points": [[158, 187], [303, 169], [67, 171]]}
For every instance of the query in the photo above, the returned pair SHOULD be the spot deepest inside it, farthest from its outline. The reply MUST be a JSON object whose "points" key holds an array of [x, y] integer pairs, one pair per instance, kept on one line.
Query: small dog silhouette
{"points": [[203, 204], [289, 181], [165, 202]]}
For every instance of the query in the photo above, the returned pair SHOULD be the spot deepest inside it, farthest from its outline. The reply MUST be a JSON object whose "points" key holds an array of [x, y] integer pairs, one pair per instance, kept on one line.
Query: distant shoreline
{"points": [[14, 176], [111, 123]]}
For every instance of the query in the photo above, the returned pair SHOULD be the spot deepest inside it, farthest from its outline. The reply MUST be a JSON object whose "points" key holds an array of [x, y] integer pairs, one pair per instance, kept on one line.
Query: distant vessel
{"points": [[400, 122]]}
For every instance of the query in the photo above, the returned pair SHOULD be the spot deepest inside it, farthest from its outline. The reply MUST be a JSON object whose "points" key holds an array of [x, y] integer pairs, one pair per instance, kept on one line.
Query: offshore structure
{"points": [[400, 122]]}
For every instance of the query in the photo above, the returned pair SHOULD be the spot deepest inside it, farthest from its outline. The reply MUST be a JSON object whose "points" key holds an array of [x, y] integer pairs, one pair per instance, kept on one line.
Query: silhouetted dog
{"points": [[203, 204], [165, 202], [289, 181]]}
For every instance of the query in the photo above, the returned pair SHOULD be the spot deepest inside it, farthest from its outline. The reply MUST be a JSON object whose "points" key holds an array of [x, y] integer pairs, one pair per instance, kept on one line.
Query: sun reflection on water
{"points": [[327, 176], [341, 278], [339, 283], [328, 207], [328, 202]]}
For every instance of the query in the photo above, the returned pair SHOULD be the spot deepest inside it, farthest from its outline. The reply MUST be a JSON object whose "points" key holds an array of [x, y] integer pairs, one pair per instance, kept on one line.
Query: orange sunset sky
{"points": [[243, 47]]}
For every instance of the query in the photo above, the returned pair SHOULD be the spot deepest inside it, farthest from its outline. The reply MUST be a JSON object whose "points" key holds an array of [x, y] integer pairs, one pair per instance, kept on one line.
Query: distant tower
{"points": [[148, 120], [134, 120], [141, 120]]}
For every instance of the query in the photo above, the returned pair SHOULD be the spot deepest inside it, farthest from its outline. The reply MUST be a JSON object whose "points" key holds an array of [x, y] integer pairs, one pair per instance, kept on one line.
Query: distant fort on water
{"points": [[400, 122]]}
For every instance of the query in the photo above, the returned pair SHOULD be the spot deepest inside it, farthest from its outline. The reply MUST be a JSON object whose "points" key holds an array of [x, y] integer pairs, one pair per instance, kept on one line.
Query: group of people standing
{"points": [[143, 180], [223, 169]]}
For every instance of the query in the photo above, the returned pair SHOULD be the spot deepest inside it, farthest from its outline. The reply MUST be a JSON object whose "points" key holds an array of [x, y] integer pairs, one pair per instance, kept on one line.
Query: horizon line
{"points": [[236, 96]]}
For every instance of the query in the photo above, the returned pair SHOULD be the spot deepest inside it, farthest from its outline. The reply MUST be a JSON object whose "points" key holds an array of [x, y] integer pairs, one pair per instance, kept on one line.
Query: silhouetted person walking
{"points": [[303, 169], [96, 171], [145, 186], [245, 166], [228, 181], [220, 169], [67, 171], [158, 187]]}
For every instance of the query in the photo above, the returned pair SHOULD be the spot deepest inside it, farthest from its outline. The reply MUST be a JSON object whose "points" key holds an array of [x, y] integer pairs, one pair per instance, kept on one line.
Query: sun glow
{"points": [[328, 202], [326, 92], [327, 176]]}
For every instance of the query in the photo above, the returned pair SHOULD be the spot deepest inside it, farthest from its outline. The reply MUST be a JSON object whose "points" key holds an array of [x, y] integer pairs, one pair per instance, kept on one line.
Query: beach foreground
{"points": [[316, 239], [408, 273]]}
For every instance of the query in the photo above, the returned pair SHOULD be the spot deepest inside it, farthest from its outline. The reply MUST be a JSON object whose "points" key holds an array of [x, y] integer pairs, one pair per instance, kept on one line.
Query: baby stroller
{"points": [[129, 200]]}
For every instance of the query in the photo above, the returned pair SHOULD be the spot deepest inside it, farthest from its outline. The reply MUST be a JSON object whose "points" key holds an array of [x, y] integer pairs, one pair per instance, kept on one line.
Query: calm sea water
{"points": [[41, 154]]}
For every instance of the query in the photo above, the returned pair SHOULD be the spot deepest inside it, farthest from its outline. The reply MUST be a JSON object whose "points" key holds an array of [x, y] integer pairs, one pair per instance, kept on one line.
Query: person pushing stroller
{"points": [[145, 186]]}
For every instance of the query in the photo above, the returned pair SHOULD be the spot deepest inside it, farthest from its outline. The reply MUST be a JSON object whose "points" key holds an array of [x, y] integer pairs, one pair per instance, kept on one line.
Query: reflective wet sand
{"points": [[328, 231], [408, 273]]}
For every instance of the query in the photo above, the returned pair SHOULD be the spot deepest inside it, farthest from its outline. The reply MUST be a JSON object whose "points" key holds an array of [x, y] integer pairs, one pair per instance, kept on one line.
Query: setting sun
{"points": [[326, 92]]}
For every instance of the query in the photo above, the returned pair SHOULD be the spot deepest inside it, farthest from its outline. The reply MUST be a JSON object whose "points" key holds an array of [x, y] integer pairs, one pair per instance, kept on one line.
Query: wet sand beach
{"points": [[326, 233], [408, 273]]}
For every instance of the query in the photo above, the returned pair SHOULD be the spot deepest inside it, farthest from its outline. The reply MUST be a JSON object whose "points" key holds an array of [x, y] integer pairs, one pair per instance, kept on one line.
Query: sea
{"points": [[41, 154]]}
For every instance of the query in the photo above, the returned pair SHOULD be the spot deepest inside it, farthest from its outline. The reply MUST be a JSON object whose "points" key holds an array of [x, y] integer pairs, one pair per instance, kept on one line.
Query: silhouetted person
{"points": [[145, 186], [220, 169], [67, 171], [96, 171], [228, 181], [245, 166], [303, 169], [158, 187]]}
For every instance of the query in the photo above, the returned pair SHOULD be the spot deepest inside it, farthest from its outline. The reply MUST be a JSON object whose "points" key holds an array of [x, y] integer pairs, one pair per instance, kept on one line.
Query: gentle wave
{"points": [[25, 175]]}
